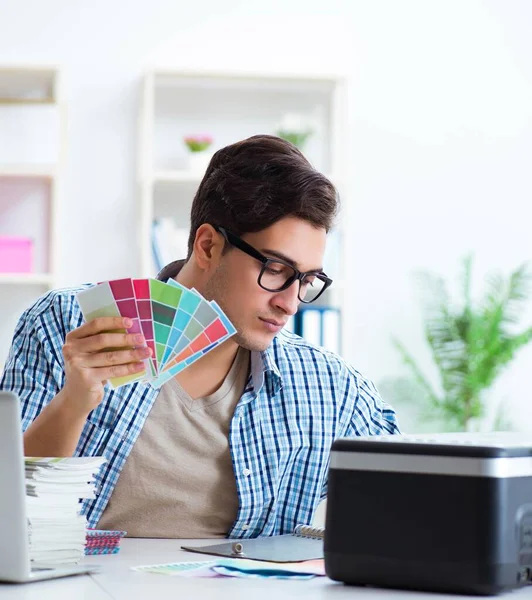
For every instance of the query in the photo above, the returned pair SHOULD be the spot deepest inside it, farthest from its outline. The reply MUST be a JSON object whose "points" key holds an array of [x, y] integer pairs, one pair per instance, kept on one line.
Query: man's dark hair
{"points": [[256, 182]]}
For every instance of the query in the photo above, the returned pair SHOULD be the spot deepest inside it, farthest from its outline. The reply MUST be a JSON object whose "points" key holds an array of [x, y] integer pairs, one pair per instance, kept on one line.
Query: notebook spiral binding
{"points": [[307, 531]]}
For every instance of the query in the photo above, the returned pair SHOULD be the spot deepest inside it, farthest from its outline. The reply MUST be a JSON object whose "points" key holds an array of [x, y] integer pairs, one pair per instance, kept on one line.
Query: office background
{"points": [[439, 136]]}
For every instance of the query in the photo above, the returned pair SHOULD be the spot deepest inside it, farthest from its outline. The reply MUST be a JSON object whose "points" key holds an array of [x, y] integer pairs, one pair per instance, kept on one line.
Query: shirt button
{"points": [[247, 472], [245, 527]]}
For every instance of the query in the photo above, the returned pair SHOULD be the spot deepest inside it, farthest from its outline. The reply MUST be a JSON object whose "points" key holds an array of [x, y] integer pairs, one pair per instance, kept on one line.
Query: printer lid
{"points": [[484, 445], [499, 455]]}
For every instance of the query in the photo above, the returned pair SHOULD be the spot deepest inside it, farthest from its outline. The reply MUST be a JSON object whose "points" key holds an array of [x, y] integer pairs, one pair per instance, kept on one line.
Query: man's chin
{"points": [[255, 343]]}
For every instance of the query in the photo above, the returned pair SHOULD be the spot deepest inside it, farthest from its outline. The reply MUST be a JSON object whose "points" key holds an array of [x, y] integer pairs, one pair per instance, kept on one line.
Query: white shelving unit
{"points": [[230, 106], [33, 133]]}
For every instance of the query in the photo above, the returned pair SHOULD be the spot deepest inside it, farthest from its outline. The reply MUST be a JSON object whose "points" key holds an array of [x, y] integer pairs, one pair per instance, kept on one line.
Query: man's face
{"points": [[256, 313]]}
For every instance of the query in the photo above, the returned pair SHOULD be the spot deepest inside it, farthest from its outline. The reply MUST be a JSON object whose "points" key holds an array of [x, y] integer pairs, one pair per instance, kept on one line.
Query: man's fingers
{"points": [[114, 357], [101, 341], [99, 325], [106, 373]]}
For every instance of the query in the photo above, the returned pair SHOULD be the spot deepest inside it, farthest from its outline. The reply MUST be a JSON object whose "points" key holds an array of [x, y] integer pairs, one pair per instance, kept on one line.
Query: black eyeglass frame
{"points": [[239, 243]]}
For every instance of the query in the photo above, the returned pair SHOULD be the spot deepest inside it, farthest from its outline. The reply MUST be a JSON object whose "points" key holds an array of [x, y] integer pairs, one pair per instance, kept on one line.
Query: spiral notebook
{"points": [[305, 543]]}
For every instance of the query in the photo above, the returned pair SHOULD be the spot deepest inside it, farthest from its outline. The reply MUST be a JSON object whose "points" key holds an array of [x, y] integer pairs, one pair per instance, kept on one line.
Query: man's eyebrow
{"points": [[293, 263]]}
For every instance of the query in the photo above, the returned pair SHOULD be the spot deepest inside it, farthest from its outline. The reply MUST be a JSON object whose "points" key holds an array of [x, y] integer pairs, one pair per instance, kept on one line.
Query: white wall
{"points": [[441, 126], [440, 132]]}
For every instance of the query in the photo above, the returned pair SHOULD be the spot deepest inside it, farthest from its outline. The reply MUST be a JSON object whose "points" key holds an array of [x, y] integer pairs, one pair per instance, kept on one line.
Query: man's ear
{"points": [[208, 247]]}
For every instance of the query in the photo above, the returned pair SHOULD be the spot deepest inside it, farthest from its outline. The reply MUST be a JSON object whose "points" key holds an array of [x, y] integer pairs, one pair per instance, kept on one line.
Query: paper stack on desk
{"points": [[54, 490]]}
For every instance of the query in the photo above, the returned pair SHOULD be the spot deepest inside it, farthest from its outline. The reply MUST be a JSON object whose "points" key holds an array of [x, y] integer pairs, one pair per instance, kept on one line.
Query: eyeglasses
{"points": [[277, 275]]}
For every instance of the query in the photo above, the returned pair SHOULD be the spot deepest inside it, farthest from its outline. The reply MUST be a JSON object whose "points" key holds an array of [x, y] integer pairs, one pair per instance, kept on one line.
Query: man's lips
{"points": [[274, 322]]}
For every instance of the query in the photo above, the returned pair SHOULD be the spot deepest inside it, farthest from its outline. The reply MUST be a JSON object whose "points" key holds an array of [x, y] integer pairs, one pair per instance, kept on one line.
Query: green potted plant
{"points": [[295, 129], [471, 343], [199, 157]]}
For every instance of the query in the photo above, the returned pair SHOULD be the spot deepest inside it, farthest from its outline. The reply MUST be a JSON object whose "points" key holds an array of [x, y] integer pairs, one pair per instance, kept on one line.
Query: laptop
{"points": [[15, 565]]}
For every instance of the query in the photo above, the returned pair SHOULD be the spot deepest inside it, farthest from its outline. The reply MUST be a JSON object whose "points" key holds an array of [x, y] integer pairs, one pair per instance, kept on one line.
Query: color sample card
{"points": [[178, 324], [190, 300], [124, 296], [165, 300], [195, 335], [222, 326], [141, 288], [239, 567], [206, 326], [99, 301]]}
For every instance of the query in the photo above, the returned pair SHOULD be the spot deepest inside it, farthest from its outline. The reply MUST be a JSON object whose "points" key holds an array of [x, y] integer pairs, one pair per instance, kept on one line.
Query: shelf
{"points": [[33, 85], [36, 171], [26, 101], [232, 106], [26, 279], [173, 75], [282, 82], [189, 177], [176, 177]]}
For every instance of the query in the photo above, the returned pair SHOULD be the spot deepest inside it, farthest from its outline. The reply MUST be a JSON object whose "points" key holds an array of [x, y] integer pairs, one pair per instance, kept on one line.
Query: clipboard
{"points": [[305, 543]]}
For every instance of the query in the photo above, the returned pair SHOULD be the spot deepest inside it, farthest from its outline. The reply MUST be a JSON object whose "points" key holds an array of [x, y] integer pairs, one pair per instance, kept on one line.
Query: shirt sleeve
{"points": [[363, 411], [34, 367], [370, 415]]}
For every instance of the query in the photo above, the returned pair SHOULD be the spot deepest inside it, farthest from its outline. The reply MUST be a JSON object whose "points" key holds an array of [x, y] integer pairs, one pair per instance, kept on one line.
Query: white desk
{"points": [[80, 587], [117, 581]]}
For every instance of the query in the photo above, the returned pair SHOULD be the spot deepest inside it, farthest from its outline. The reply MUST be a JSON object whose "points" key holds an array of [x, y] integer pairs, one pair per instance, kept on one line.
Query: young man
{"points": [[238, 443]]}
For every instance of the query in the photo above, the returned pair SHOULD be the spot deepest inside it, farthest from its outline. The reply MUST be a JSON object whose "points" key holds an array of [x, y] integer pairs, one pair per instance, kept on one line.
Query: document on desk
{"points": [[230, 567]]}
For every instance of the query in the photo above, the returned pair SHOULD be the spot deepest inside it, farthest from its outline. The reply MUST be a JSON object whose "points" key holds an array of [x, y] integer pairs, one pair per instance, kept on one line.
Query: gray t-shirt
{"points": [[178, 481]]}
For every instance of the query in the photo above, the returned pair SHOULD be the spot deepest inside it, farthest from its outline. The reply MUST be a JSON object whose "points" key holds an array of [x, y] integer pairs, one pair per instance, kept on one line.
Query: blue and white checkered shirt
{"points": [[297, 400]]}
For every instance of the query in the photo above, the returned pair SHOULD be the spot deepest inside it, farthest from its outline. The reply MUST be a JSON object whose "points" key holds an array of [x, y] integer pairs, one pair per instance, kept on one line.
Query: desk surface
{"points": [[117, 581]]}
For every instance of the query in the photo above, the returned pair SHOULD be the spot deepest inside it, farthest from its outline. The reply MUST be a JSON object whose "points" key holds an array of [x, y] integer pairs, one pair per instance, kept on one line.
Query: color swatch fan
{"points": [[178, 324]]}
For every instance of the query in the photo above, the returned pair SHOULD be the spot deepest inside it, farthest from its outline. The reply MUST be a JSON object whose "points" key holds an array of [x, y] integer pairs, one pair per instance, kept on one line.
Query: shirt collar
{"points": [[171, 270], [264, 371]]}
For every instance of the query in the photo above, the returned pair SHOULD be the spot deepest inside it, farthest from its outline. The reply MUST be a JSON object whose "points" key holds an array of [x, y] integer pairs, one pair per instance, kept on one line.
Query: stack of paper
{"points": [[55, 488], [179, 324]]}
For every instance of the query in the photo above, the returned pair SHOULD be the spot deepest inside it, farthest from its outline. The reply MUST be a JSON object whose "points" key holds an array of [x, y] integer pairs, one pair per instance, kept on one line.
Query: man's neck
{"points": [[206, 375], [185, 276]]}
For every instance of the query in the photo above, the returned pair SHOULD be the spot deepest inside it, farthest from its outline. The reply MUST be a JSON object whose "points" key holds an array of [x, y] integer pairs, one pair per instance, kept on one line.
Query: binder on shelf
{"points": [[156, 250], [290, 325], [333, 253], [319, 325], [169, 242]]}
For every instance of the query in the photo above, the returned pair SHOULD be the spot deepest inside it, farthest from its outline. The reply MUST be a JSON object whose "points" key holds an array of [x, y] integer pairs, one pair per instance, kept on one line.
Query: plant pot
{"points": [[198, 161]]}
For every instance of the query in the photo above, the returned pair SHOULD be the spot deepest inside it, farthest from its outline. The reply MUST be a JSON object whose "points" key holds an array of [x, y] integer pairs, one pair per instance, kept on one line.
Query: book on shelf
{"points": [[319, 325], [169, 242], [333, 254]]}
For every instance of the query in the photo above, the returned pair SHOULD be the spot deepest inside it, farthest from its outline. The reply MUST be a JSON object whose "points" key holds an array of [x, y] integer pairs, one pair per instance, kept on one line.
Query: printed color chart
{"points": [[178, 324]]}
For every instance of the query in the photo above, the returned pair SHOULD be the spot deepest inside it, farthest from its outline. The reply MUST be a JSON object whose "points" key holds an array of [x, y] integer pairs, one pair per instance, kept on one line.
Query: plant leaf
{"points": [[416, 372]]}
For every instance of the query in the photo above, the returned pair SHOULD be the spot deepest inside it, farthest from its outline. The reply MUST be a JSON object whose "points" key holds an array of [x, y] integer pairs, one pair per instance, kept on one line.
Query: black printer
{"points": [[445, 512]]}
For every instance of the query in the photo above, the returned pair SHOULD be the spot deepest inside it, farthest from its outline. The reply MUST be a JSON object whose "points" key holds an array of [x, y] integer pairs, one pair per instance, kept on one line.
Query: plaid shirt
{"points": [[297, 400]]}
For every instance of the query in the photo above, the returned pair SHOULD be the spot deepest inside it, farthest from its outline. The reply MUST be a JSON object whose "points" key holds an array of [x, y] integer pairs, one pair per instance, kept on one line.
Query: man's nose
{"points": [[288, 300]]}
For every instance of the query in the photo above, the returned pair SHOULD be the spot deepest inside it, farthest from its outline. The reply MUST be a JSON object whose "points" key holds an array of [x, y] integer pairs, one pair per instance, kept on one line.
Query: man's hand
{"points": [[94, 353]]}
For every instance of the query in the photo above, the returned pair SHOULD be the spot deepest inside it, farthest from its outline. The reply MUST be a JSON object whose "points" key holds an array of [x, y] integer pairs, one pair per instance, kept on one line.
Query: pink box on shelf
{"points": [[16, 254]]}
